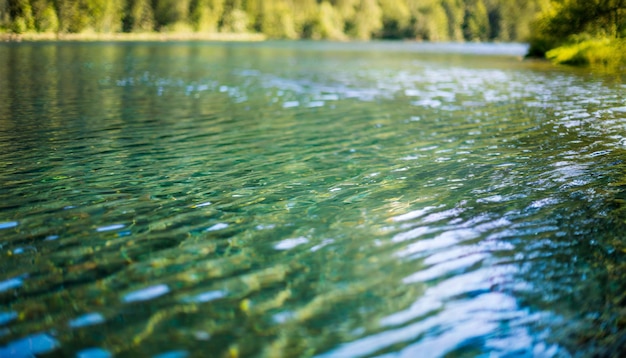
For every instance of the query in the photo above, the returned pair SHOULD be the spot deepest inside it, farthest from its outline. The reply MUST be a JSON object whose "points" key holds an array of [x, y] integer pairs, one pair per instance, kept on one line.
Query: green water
{"points": [[308, 199]]}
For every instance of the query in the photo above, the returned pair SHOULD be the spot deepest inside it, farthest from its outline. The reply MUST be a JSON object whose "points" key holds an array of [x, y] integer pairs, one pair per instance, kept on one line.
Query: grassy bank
{"points": [[601, 52], [148, 36]]}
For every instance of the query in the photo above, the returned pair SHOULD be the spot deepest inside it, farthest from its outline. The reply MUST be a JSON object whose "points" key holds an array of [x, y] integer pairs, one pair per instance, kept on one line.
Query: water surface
{"points": [[308, 199]]}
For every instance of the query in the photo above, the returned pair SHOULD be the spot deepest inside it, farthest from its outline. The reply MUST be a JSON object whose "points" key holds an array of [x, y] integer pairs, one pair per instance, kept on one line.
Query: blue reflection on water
{"points": [[94, 353], [11, 284], [38, 343], [146, 293], [86, 320], [6, 317], [173, 354], [8, 224]]}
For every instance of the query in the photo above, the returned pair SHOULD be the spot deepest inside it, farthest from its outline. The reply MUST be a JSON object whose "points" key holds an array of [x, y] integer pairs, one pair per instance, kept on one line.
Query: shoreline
{"points": [[562, 55], [124, 37], [603, 53]]}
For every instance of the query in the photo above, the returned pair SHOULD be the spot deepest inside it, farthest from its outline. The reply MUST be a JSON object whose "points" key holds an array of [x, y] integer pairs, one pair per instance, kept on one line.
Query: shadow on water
{"points": [[583, 283]]}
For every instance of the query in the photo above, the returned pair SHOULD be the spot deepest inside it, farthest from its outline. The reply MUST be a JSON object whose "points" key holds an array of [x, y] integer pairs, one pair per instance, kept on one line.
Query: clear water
{"points": [[308, 200]]}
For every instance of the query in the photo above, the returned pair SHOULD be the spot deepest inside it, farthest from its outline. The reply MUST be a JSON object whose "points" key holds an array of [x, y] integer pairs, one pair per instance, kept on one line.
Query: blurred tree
{"points": [[205, 14], [511, 20], [104, 16], [254, 10], [434, 20], [305, 17], [366, 21], [396, 18], [428, 20], [476, 21], [277, 20], [72, 15], [331, 22], [598, 17], [45, 16], [576, 20], [5, 18], [139, 16], [171, 14], [345, 8], [21, 13], [455, 13], [234, 18], [497, 11]]}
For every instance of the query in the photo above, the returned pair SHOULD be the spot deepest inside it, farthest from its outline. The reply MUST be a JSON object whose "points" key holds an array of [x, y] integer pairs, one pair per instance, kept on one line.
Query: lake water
{"points": [[309, 200]]}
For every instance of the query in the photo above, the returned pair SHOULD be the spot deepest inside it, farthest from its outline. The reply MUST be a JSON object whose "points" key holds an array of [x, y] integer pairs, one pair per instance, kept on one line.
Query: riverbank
{"points": [[148, 36], [599, 52]]}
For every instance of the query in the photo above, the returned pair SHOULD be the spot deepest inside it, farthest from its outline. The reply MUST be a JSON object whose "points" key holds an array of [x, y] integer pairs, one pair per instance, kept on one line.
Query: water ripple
{"points": [[174, 199]]}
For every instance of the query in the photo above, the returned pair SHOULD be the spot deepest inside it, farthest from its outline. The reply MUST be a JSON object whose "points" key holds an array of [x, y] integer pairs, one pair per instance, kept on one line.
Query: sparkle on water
{"points": [[308, 199]]}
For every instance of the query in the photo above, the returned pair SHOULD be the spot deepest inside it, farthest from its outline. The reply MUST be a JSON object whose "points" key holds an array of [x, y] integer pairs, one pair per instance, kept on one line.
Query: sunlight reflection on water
{"points": [[331, 200]]}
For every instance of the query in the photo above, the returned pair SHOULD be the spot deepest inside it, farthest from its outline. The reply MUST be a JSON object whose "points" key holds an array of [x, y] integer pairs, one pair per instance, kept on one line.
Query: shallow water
{"points": [[308, 199]]}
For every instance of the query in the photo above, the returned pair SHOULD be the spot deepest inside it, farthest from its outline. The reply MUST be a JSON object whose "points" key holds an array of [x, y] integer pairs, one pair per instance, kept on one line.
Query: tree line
{"points": [[429, 20]]}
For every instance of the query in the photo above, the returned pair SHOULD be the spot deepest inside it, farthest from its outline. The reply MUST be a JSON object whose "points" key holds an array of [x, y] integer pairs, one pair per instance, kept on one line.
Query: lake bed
{"points": [[316, 199]]}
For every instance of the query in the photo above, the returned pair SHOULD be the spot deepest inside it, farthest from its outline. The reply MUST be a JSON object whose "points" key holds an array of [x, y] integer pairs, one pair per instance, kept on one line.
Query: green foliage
{"points": [[277, 20], [72, 15], [607, 53], [139, 16], [396, 19], [22, 14], [581, 32], [171, 14], [5, 18], [102, 16], [330, 22], [433, 20], [428, 20], [366, 20], [476, 21], [45, 16], [205, 14], [455, 13], [105, 16], [305, 17]]}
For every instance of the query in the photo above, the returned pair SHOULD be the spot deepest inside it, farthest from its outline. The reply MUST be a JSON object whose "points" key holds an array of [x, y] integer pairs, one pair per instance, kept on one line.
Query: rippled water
{"points": [[308, 199]]}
